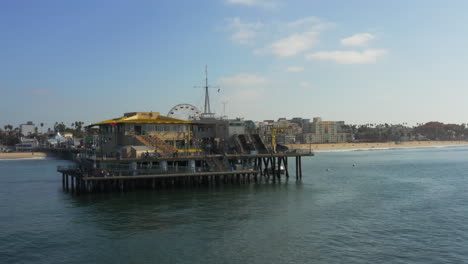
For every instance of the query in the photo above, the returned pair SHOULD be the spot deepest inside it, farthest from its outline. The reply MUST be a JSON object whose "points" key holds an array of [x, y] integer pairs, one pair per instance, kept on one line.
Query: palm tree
{"points": [[8, 127]]}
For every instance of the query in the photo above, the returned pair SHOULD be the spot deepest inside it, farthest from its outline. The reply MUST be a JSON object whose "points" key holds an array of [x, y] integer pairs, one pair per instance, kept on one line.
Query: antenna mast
{"points": [[207, 109], [224, 107]]}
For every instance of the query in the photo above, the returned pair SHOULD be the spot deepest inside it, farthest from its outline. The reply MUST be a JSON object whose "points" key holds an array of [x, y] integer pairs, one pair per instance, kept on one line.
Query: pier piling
{"points": [[210, 171]]}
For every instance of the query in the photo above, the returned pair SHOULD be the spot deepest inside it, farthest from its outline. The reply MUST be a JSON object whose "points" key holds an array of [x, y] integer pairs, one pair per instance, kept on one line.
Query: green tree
{"points": [[59, 127]]}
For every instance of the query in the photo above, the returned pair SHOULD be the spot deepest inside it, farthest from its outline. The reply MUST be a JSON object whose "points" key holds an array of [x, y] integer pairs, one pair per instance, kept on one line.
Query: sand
{"points": [[22, 155], [315, 147], [377, 145]]}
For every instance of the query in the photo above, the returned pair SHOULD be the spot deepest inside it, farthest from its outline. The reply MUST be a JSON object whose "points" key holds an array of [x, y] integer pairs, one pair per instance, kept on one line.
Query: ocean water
{"points": [[393, 206]]}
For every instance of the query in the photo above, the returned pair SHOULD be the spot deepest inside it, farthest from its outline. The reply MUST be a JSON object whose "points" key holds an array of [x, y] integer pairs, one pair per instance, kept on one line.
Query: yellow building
{"points": [[164, 134]]}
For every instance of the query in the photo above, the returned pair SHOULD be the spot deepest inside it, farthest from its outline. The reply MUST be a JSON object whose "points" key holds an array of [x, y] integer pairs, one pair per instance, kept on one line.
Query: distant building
{"points": [[297, 120], [324, 132], [68, 135], [284, 131], [27, 144], [27, 129]]}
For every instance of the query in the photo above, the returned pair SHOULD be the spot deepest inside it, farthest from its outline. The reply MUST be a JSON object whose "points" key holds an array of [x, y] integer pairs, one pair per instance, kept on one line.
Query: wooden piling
{"points": [[258, 168]]}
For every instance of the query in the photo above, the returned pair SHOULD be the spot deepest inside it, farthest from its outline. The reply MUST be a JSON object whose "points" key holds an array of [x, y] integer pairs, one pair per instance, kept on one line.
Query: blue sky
{"points": [[358, 61]]}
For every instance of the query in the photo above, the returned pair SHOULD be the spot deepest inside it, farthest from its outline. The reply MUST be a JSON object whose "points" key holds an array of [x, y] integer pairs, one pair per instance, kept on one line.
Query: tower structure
{"points": [[207, 108]]}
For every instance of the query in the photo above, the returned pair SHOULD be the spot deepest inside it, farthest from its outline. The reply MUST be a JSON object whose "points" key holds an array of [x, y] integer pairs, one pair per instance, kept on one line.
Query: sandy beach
{"points": [[376, 145], [22, 155]]}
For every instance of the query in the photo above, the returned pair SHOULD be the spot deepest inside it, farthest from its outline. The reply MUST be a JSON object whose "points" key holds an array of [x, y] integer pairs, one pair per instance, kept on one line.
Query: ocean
{"points": [[392, 206]]}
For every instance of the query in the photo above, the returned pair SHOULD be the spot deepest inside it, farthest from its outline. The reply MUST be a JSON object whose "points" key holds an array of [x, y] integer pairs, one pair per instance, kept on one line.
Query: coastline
{"points": [[23, 155], [326, 147]]}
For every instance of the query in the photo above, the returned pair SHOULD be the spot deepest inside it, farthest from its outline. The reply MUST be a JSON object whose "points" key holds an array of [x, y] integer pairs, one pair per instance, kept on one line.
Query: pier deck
{"points": [[110, 174]]}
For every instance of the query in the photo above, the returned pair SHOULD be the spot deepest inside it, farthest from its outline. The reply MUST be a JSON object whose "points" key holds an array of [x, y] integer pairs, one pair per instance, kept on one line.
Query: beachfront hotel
{"points": [[320, 131]]}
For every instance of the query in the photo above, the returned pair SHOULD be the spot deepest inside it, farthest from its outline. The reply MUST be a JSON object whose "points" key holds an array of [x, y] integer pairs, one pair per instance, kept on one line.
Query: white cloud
{"points": [[243, 33], [307, 24], [243, 80], [244, 86], [357, 40], [304, 21], [260, 3], [294, 69], [349, 57], [305, 85], [292, 45], [252, 94], [298, 36]]}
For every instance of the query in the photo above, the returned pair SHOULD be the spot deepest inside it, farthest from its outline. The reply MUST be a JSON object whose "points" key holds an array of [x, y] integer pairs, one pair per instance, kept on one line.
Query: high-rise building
{"points": [[324, 132], [27, 129]]}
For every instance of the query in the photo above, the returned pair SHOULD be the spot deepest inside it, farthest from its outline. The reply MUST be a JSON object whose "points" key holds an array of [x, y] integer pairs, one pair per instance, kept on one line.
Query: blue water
{"points": [[394, 206]]}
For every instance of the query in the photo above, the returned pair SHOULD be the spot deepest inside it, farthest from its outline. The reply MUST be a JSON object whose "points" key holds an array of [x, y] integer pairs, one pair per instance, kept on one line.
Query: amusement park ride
{"points": [[190, 112], [185, 112]]}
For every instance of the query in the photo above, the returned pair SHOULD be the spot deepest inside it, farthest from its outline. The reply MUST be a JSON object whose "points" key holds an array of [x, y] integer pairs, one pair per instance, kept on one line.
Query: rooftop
{"points": [[142, 118]]}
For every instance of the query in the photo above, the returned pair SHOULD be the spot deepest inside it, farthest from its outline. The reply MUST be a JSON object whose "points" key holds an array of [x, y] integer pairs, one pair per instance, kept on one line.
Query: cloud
{"points": [[244, 86], [251, 94], [306, 21], [259, 3], [298, 36], [292, 45], [305, 85], [243, 80], [357, 40], [349, 57], [294, 69], [243, 33]]}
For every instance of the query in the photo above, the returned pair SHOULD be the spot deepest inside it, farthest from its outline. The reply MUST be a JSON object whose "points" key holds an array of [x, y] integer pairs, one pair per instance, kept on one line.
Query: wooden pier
{"points": [[106, 175]]}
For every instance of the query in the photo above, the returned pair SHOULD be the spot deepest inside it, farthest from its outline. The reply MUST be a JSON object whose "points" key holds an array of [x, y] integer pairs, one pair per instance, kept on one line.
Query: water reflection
{"points": [[141, 211]]}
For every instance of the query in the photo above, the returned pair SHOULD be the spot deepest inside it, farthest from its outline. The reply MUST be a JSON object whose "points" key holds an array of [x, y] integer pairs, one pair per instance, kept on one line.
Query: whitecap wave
{"points": [[35, 158], [387, 148]]}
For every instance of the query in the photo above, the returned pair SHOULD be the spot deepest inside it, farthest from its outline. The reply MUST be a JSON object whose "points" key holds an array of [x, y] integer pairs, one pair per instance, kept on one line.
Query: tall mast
{"points": [[207, 94]]}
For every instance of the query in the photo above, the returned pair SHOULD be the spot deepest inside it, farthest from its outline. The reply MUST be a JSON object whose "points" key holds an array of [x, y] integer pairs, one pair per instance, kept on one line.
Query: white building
{"points": [[27, 144], [27, 129]]}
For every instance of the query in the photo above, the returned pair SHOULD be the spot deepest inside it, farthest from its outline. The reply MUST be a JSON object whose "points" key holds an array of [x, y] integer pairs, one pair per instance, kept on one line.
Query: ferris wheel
{"points": [[185, 112]]}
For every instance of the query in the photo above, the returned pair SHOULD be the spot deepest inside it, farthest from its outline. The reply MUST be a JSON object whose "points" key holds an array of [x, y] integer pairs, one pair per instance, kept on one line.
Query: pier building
{"points": [[228, 153], [151, 151], [164, 135]]}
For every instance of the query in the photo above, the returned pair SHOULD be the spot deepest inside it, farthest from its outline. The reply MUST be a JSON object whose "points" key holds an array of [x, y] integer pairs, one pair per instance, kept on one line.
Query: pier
{"points": [[187, 147], [111, 175]]}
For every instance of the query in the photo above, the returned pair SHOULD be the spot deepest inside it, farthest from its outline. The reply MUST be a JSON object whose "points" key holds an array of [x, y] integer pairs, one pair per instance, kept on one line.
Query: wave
{"points": [[35, 158], [387, 148]]}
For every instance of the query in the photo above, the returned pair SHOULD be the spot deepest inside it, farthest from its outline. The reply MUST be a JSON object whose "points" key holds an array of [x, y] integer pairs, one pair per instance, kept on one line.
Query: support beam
{"points": [[300, 167], [279, 167]]}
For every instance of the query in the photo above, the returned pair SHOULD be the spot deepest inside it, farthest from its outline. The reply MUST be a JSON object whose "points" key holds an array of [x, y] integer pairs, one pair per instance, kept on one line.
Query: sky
{"points": [[361, 61]]}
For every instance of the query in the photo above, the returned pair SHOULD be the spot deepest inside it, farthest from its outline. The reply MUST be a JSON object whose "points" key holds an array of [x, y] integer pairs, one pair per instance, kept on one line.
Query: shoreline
{"points": [[325, 147], [330, 147], [23, 155]]}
